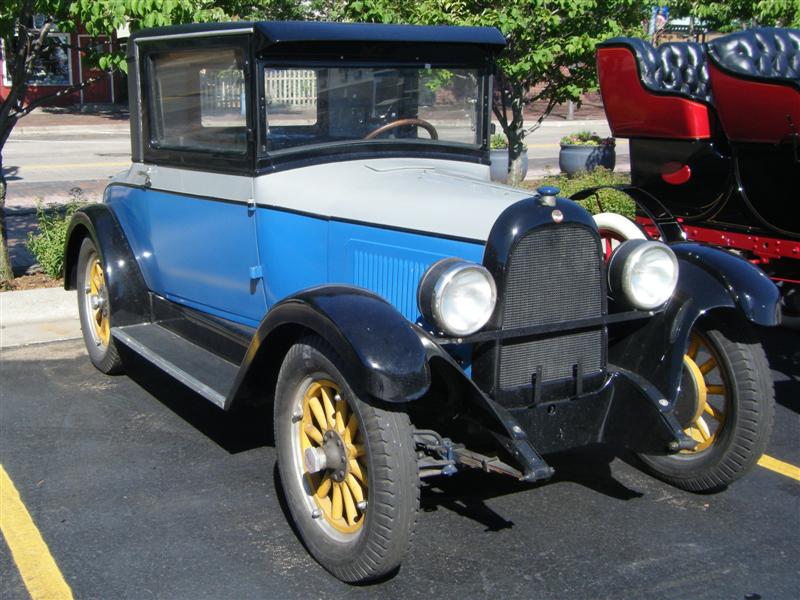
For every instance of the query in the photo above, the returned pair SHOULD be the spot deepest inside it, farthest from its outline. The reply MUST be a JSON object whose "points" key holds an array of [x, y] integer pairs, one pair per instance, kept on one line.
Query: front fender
{"points": [[381, 353], [127, 290], [709, 279]]}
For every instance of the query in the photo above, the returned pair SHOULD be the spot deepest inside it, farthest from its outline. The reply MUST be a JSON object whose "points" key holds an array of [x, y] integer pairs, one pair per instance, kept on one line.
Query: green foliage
{"points": [[605, 201], [47, 245], [586, 138], [737, 14], [550, 48], [498, 142]]}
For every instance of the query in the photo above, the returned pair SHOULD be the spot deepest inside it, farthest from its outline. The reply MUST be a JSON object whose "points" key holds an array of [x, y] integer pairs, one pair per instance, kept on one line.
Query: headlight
{"points": [[457, 296], [643, 273]]}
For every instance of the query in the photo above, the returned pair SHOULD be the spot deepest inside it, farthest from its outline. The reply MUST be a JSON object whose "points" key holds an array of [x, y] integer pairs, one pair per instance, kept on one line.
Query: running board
{"points": [[202, 371]]}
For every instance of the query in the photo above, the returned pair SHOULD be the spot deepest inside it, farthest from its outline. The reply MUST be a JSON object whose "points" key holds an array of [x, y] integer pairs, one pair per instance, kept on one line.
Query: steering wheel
{"points": [[402, 123]]}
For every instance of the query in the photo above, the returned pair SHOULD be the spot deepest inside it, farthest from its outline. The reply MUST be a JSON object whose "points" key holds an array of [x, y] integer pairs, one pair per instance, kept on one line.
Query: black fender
{"points": [[127, 290], [382, 355], [709, 279], [668, 226]]}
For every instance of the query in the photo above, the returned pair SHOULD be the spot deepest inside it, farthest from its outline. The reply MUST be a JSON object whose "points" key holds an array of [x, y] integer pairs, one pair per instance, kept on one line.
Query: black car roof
{"points": [[275, 32]]}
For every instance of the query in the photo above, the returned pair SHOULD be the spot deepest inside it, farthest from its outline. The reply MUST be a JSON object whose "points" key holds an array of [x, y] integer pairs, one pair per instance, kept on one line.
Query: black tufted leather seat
{"points": [[676, 67], [764, 53]]}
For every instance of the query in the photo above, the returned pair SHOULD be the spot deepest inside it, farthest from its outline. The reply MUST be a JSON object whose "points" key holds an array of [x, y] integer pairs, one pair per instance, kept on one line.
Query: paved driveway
{"points": [[142, 490]]}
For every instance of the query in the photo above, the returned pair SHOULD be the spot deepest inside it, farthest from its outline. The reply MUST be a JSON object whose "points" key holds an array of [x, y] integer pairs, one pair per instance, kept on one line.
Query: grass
{"points": [[604, 201]]}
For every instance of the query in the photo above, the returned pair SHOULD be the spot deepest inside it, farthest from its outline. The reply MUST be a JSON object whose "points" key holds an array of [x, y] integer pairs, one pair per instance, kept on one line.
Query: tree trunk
{"points": [[6, 272], [515, 134]]}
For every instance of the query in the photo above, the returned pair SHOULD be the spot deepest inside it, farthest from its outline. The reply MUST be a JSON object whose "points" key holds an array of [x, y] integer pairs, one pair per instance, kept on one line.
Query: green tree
{"points": [[550, 51], [25, 44], [739, 14]]}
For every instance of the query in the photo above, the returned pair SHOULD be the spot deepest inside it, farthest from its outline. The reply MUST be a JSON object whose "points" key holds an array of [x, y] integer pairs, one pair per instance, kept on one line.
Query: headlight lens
{"points": [[643, 273], [457, 296]]}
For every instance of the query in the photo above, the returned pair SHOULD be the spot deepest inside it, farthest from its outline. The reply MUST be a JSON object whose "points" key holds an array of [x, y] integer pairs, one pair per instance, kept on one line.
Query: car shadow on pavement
{"points": [[467, 493], [239, 430], [783, 352]]}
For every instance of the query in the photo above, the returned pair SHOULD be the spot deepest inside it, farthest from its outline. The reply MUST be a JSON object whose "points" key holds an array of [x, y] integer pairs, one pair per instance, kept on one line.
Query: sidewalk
{"points": [[60, 120], [114, 118], [37, 316]]}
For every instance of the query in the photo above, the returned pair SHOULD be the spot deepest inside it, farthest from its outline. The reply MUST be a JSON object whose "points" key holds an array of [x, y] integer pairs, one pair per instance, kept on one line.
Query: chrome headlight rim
{"points": [[622, 263], [434, 285]]}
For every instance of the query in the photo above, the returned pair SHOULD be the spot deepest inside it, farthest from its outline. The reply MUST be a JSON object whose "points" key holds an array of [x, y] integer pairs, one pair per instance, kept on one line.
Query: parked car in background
{"points": [[714, 136], [309, 222]]}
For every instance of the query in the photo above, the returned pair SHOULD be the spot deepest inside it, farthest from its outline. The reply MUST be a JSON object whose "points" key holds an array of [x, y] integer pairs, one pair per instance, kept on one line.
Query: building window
{"points": [[53, 67]]}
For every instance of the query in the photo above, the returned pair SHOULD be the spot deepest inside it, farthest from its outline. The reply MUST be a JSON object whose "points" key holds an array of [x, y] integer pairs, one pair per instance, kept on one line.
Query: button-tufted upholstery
{"points": [[675, 67], [765, 52]]}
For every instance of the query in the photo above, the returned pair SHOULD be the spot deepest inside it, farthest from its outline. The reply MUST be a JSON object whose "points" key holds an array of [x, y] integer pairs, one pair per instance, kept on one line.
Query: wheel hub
{"points": [[335, 454], [332, 458], [692, 399]]}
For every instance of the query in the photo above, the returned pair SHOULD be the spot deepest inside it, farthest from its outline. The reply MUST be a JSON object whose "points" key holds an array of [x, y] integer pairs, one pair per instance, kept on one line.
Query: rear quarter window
{"points": [[198, 100]]}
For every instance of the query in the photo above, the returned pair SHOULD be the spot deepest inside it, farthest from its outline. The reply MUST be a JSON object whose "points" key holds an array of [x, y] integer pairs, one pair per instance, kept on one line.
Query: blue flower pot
{"points": [[573, 159]]}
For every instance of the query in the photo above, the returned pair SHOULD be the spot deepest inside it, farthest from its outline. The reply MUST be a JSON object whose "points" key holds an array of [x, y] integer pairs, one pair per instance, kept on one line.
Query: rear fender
{"points": [[128, 297]]}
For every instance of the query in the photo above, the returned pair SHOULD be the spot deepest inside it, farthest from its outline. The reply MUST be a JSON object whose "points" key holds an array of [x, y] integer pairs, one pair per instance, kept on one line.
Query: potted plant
{"points": [[498, 154], [585, 151]]}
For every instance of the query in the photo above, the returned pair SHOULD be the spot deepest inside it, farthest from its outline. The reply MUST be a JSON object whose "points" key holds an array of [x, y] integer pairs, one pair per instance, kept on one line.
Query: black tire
{"points": [[383, 537], [749, 401], [99, 344]]}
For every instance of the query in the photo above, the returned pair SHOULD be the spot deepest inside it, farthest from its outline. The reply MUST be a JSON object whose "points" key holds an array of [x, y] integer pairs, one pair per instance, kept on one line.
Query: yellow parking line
{"points": [[36, 566], [784, 468], [86, 165]]}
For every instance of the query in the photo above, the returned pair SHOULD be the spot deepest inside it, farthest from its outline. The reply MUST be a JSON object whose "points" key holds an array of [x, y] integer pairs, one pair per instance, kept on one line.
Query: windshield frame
{"points": [[361, 148]]}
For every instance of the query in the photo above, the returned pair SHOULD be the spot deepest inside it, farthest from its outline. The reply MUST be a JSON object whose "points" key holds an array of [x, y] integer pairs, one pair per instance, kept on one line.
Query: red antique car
{"points": [[714, 138]]}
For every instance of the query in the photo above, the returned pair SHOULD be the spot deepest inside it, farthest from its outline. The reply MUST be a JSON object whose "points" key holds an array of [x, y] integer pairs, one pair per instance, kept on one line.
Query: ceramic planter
{"points": [[499, 166], [572, 159]]}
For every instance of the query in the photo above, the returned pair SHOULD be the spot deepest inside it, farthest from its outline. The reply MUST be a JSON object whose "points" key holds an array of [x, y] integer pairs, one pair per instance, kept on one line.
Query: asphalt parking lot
{"points": [[142, 490]]}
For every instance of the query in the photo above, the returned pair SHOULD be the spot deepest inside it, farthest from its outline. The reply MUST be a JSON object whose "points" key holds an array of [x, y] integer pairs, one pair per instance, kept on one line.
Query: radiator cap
{"points": [[547, 195]]}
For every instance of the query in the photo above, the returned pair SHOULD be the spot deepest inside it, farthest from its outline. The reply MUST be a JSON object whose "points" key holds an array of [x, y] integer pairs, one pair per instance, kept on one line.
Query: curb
{"points": [[38, 316], [37, 306], [107, 129]]}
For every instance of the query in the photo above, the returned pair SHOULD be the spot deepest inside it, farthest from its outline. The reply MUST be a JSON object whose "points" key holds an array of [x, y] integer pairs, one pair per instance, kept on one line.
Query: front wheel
{"points": [[726, 404], [348, 468]]}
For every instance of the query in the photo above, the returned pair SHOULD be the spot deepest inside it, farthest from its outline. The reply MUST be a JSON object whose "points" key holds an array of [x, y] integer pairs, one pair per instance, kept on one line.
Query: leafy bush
{"points": [[498, 142], [47, 245], [586, 138], [605, 201]]}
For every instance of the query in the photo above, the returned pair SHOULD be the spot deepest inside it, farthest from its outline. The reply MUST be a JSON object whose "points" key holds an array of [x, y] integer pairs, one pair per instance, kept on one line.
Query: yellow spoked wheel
{"points": [[332, 452], [348, 467], [711, 401], [725, 403], [96, 305]]}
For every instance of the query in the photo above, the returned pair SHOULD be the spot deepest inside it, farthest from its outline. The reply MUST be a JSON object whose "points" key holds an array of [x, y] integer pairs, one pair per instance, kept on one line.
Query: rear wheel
{"points": [[348, 468], [94, 310], [726, 405]]}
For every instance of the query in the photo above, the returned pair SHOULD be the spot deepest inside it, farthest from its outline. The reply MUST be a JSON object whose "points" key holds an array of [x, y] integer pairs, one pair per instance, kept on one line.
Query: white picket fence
{"points": [[294, 87], [224, 91]]}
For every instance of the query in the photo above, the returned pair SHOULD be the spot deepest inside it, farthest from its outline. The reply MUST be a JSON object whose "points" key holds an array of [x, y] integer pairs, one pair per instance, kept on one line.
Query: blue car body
{"points": [[238, 230]]}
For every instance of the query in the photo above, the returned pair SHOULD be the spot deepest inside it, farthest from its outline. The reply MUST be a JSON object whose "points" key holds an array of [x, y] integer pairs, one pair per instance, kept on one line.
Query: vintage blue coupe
{"points": [[309, 222]]}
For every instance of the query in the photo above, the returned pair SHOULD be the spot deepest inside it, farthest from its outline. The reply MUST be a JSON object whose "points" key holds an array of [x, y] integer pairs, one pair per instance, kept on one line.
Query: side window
{"points": [[198, 100]]}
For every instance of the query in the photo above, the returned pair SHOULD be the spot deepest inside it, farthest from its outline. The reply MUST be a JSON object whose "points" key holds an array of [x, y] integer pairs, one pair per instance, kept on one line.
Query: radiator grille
{"points": [[554, 275]]}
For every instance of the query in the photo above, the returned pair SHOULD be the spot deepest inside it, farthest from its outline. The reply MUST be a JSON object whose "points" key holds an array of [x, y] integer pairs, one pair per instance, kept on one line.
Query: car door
{"points": [[198, 170]]}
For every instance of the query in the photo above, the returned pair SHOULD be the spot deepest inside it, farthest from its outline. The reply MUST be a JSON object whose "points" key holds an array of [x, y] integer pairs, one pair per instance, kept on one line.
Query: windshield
{"points": [[323, 106]]}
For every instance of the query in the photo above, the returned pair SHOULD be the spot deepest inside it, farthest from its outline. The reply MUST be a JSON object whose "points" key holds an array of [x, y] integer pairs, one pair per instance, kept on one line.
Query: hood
{"points": [[431, 196]]}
